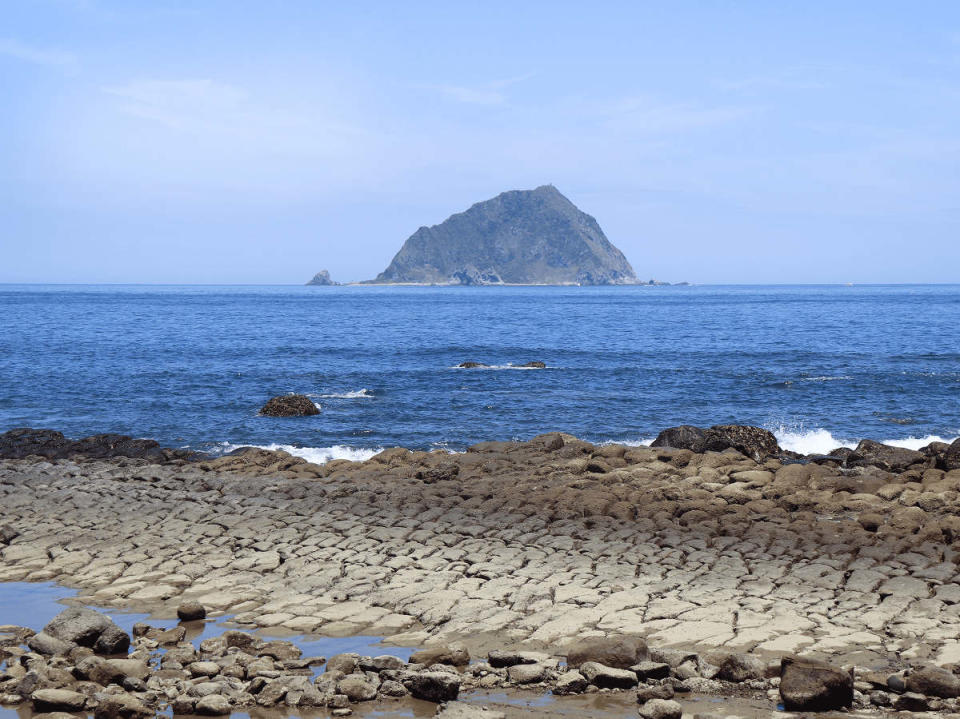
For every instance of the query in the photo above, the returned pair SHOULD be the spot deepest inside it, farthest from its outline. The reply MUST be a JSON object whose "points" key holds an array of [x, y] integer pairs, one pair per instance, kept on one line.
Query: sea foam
{"points": [[359, 394], [316, 455]]}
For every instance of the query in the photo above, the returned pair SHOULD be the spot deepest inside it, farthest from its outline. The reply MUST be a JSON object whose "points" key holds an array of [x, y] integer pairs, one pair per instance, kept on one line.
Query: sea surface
{"points": [[190, 366]]}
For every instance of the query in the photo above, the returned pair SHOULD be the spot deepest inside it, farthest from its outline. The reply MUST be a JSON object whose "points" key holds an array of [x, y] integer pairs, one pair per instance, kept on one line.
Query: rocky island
{"points": [[522, 237]]}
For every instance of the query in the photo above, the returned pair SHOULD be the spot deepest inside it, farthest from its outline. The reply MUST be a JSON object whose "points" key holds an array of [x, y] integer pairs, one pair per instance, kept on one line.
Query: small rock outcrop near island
{"points": [[322, 278], [524, 237], [289, 405]]}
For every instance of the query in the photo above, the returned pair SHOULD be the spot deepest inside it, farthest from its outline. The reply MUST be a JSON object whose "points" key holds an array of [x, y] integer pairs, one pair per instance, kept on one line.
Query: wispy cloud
{"points": [[36, 55], [179, 103], [491, 93], [796, 78], [650, 115]]}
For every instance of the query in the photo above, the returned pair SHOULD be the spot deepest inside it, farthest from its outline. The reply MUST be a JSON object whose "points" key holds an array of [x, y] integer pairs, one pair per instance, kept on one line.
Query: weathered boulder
{"points": [[685, 436], [570, 682], [528, 673], [8, 534], [213, 705], [434, 686], [51, 700], [660, 709], [741, 668], [934, 682], [951, 457], [606, 677], [657, 691], [122, 706], [289, 405], [191, 612], [89, 628], [616, 652], [46, 644], [455, 655], [534, 365], [812, 685], [891, 459], [471, 365], [357, 688], [651, 670], [755, 442], [499, 658]]}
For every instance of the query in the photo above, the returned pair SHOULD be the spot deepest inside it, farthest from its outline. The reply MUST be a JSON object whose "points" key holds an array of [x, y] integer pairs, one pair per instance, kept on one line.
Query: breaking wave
{"points": [[359, 394], [822, 441], [316, 455]]}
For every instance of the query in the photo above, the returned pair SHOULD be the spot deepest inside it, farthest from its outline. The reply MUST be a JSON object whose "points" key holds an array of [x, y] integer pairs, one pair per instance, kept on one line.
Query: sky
{"points": [[251, 142]]}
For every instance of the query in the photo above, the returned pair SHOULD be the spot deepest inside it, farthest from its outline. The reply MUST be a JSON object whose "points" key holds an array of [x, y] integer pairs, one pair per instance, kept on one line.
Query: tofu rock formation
{"points": [[525, 237]]}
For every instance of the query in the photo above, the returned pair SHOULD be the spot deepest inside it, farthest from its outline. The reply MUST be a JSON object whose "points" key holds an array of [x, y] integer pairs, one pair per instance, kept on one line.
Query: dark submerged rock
{"points": [[290, 405], [535, 365], [23, 442], [471, 365]]}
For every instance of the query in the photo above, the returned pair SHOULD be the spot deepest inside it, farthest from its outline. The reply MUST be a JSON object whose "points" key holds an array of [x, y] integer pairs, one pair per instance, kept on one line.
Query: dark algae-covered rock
{"points": [[519, 237], [289, 405], [755, 442]]}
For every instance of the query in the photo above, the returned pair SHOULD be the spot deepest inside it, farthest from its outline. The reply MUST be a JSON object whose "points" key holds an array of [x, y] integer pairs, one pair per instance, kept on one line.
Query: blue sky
{"points": [[255, 142]]}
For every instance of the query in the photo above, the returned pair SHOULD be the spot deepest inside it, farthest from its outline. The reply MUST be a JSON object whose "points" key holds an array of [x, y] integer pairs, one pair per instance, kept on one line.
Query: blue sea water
{"points": [[191, 365]]}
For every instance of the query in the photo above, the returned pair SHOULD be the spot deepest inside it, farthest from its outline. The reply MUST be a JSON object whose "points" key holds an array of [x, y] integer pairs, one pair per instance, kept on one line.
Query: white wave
{"points": [[821, 441], [630, 442], [824, 379], [811, 441], [918, 442], [316, 455], [359, 394]]}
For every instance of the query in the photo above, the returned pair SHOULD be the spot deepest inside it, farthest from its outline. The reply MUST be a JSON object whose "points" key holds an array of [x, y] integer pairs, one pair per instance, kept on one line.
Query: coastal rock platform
{"points": [[534, 545]]}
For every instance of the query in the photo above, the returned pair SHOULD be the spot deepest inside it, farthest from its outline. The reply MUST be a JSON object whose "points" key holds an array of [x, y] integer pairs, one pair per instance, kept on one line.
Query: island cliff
{"points": [[535, 237]]}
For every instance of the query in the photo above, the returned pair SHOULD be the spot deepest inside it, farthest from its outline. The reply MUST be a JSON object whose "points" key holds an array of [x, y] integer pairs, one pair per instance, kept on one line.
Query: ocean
{"points": [[189, 366]]}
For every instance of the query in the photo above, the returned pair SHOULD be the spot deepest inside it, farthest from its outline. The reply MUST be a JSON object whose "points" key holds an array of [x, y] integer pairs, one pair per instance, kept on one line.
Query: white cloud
{"points": [[491, 93], [36, 55], [649, 115]]}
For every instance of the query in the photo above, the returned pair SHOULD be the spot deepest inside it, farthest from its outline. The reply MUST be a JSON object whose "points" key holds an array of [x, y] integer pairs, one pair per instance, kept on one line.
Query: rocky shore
{"points": [[731, 548]]}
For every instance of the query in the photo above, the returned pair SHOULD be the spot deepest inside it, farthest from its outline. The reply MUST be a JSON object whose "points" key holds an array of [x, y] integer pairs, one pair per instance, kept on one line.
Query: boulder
{"points": [[46, 644], [384, 662], [113, 640], [685, 436], [455, 655], [499, 659], [434, 686], [651, 670], [911, 702], [951, 456], [606, 677], [51, 700], [934, 682], [754, 442], [471, 365], [346, 663], [570, 682], [213, 705], [89, 628], [191, 612], [122, 706], [812, 685], [357, 688], [290, 405], [534, 365], [616, 652], [8, 534], [741, 668], [660, 709], [657, 691], [528, 673], [891, 459]]}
